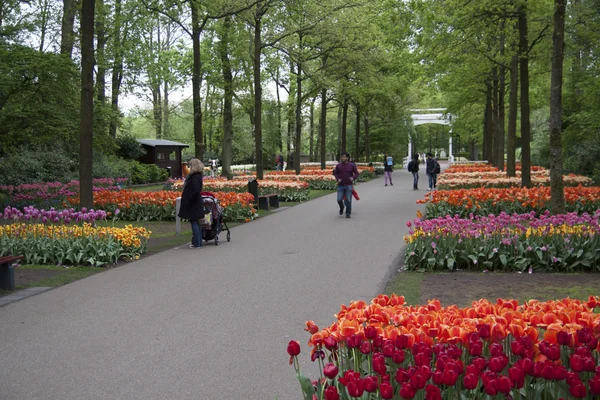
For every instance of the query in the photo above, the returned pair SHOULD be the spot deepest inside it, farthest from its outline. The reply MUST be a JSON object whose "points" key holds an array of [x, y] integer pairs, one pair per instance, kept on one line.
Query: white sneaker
{"points": [[429, 189]]}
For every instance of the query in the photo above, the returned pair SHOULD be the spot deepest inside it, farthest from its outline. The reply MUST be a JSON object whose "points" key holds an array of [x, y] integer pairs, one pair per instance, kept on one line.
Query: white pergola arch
{"points": [[431, 116]]}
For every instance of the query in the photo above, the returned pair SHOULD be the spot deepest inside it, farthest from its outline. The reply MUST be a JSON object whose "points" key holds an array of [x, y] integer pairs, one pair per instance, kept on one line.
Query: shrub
{"points": [[35, 165]]}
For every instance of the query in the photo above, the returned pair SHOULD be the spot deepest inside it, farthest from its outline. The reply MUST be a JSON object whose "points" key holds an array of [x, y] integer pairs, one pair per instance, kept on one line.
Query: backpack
{"points": [[413, 166], [436, 167]]}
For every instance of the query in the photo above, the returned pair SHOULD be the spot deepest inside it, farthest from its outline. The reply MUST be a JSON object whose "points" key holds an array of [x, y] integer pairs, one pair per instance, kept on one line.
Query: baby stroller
{"points": [[211, 205]]}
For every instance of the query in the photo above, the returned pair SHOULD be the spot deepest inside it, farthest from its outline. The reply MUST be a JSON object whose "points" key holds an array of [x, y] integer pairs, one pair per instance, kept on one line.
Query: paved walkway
{"points": [[212, 323]]}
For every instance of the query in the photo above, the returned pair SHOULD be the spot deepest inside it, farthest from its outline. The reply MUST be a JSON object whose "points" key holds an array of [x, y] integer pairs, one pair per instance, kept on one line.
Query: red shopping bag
{"points": [[355, 194]]}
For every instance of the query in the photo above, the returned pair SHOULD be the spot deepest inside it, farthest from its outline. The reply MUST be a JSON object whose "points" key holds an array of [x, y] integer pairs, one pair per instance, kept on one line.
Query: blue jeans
{"points": [[415, 180], [345, 191], [196, 233], [432, 180]]}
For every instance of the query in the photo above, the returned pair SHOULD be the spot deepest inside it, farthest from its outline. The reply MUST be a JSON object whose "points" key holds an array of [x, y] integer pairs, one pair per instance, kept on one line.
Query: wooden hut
{"points": [[163, 153]]}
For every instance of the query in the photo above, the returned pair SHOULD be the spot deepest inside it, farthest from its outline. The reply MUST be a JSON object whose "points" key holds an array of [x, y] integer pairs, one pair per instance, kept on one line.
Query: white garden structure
{"points": [[424, 116]]}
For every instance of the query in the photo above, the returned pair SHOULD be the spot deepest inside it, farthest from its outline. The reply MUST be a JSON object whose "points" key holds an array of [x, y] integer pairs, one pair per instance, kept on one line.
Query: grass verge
{"points": [[407, 284]]}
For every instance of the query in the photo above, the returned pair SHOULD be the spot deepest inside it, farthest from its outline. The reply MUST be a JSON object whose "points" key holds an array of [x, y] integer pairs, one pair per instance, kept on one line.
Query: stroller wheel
{"points": [[228, 236], [216, 240]]}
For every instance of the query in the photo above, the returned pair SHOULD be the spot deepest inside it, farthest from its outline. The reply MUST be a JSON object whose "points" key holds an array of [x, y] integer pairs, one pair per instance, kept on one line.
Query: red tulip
{"points": [[560, 372], [293, 348], [432, 392], [418, 381], [330, 343], [595, 385], [578, 390], [356, 387], [331, 393], [503, 384], [370, 332], [476, 349], [517, 377], [563, 338], [491, 387], [516, 348], [498, 363], [388, 349], [480, 363], [483, 330], [496, 349], [470, 381], [576, 362], [407, 392], [438, 377], [449, 377], [370, 384], [354, 340], [330, 371], [548, 372], [386, 391], [378, 363], [316, 355], [365, 347], [422, 359], [402, 376], [402, 342], [398, 356]]}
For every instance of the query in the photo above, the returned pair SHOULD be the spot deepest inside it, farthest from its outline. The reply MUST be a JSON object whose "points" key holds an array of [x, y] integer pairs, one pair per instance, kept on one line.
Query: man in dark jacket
{"points": [[388, 167], [192, 207], [345, 173], [432, 170]]}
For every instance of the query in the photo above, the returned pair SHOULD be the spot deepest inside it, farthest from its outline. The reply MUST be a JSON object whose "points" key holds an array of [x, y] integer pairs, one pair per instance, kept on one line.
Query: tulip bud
{"points": [[386, 391], [293, 348], [330, 371], [370, 384], [331, 393]]}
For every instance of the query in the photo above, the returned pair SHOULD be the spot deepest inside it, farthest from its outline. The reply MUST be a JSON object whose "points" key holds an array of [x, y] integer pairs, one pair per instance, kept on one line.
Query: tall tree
{"points": [[524, 75], [86, 135], [557, 193], [68, 21]]}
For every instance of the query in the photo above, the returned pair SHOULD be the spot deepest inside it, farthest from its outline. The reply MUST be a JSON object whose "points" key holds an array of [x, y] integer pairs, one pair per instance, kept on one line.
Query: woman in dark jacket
{"points": [[191, 201]]}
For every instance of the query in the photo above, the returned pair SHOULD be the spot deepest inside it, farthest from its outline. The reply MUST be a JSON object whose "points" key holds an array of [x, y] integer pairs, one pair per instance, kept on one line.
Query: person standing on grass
{"points": [[388, 167], [345, 174], [192, 207], [413, 167]]}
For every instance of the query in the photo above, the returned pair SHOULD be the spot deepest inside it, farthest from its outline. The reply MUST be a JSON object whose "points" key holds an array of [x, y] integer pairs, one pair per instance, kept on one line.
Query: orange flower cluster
{"points": [[125, 198], [528, 198], [423, 324]]}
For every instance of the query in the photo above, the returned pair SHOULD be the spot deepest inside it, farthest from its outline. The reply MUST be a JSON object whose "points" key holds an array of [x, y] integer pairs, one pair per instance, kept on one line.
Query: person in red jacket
{"points": [[345, 173]]}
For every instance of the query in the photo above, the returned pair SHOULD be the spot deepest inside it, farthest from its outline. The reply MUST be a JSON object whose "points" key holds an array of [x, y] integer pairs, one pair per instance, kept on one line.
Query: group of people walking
{"points": [[346, 174]]}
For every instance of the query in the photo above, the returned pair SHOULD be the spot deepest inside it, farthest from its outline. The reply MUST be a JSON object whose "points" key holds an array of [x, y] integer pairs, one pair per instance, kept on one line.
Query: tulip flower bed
{"points": [[66, 216], [160, 205], [76, 245], [557, 243], [53, 193], [287, 191], [502, 350], [500, 180], [485, 201]]}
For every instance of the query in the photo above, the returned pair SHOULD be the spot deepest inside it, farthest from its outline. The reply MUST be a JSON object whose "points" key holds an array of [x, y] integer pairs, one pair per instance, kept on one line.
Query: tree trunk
{"points": [[196, 84], [367, 143], [501, 109], [512, 117], [227, 100], [298, 137], [357, 142], [323, 128], [117, 73], [525, 123], [312, 130], [494, 125], [258, 94], [557, 191], [487, 126], [43, 25], [67, 36], [344, 123], [86, 127], [279, 126], [156, 110], [100, 53]]}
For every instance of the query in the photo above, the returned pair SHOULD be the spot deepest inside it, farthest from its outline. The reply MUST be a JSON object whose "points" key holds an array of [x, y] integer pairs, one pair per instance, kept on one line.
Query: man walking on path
{"points": [[345, 173], [433, 169], [413, 166]]}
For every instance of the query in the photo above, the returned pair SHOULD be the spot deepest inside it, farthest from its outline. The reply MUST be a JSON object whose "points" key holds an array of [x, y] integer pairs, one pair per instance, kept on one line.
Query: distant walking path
{"points": [[212, 323]]}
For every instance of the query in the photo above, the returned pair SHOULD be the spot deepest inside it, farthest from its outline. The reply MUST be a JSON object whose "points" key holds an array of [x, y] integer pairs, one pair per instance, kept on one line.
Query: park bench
{"points": [[7, 272], [267, 201]]}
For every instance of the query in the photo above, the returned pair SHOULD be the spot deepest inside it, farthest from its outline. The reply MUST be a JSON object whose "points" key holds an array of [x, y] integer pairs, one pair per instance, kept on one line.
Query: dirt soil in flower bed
{"points": [[462, 288]]}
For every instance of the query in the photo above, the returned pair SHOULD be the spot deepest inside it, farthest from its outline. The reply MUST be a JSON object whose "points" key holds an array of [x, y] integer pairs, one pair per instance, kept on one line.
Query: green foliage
{"points": [[39, 99], [89, 250], [128, 147], [36, 164], [147, 173]]}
